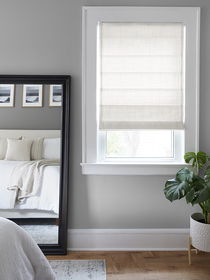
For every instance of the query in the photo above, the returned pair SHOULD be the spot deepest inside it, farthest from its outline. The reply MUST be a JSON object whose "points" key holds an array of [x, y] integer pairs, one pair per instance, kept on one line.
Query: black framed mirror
{"points": [[34, 156]]}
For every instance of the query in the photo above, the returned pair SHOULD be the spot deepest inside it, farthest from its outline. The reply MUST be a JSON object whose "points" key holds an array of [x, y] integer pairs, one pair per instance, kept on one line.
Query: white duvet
{"points": [[20, 257], [46, 199]]}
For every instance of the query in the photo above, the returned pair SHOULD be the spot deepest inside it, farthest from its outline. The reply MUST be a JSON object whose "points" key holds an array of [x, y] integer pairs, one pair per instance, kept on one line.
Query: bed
{"points": [[42, 203], [21, 258]]}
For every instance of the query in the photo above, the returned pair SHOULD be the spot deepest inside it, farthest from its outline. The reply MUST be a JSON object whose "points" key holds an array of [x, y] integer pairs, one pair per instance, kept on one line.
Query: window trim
{"points": [[131, 168], [190, 16]]}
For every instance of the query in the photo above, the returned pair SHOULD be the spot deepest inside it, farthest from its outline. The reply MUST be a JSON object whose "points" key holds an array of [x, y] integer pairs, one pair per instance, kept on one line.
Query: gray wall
{"points": [[17, 117], [44, 37]]}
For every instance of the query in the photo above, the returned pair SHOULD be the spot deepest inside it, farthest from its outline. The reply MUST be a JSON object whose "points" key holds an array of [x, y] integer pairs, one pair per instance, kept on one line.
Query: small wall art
{"points": [[55, 96], [32, 95], [7, 95]]}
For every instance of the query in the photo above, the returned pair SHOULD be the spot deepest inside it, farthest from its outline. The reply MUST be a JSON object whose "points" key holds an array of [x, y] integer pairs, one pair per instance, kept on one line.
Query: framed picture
{"points": [[55, 96], [6, 95], [32, 95]]}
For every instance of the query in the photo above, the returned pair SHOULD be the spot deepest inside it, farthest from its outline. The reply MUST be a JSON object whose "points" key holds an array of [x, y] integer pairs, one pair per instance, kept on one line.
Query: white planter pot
{"points": [[199, 233]]}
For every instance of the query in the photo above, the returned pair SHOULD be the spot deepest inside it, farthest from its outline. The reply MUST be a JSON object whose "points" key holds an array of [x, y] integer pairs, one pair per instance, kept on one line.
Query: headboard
{"points": [[10, 133]]}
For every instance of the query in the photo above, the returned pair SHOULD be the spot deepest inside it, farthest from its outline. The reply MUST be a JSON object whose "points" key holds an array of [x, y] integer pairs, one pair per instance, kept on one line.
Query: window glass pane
{"points": [[141, 143]]}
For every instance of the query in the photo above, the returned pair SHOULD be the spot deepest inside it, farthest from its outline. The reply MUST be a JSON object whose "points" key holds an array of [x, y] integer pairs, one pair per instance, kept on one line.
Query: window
{"points": [[140, 85], [141, 146]]}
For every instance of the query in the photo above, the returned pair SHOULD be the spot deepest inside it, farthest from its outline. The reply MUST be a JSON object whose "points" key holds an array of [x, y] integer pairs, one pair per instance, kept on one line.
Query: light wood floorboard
{"points": [[148, 265]]}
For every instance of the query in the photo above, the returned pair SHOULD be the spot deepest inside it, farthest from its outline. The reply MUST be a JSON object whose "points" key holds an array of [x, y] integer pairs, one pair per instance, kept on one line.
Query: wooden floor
{"points": [[149, 265]]}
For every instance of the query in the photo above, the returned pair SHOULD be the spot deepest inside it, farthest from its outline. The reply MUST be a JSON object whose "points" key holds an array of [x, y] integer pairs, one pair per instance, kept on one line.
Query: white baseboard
{"points": [[127, 239]]}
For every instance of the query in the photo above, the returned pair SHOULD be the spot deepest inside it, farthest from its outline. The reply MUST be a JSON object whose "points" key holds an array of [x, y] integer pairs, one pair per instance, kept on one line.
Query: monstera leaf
{"points": [[185, 174], [201, 196], [193, 185], [207, 173], [197, 186], [178, 187], [201, 158], [198, 183], [198, 159], [190, 156], [190, 196]]}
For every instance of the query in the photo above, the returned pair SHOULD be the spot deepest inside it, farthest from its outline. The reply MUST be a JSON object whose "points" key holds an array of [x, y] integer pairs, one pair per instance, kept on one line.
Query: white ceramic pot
{"points": [[200, 233]]}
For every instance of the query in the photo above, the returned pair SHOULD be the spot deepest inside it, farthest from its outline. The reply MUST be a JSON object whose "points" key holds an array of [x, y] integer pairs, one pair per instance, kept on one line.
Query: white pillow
{"points": [[3, 146], [36, 148], [51, 148], [18, 149]]}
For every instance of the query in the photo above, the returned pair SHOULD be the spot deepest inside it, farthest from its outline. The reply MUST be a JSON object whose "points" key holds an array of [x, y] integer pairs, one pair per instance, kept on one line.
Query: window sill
{"points": [[131, 168]]}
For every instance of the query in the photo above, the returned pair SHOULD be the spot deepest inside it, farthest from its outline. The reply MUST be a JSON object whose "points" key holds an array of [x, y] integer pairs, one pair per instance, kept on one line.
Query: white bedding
{"points": [[20, 257], [46, 199]]}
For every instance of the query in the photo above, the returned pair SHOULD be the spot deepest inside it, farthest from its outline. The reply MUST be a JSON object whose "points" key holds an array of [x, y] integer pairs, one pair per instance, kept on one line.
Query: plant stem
{"points": [[208, 218], [205, 213], [201, 206], [197, 166]]}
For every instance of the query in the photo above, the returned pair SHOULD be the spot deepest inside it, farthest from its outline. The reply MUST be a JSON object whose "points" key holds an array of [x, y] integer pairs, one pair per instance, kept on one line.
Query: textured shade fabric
{"points": [[141, 81]]}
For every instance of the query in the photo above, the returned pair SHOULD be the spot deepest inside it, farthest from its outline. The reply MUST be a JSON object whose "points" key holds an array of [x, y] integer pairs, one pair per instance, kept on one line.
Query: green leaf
{"points": [[198, 183], [201, 158], [190, 196], [175, 189], [195, 188], [178, 187], [207, 172], [198, 159], [185, 174], [202, 196], [190, 156]]}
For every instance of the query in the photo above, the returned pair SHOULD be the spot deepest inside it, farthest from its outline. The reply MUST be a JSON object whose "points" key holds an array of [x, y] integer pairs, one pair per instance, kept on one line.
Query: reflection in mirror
{"points": [[30, 145]]}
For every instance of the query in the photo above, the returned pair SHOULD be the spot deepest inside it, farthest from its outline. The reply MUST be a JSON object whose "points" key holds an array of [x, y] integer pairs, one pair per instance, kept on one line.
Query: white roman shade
{"points": [[141, 81]]}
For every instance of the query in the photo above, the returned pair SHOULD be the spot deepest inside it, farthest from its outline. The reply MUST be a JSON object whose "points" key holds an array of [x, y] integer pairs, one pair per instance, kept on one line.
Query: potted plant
{"points": [[193, 184]]}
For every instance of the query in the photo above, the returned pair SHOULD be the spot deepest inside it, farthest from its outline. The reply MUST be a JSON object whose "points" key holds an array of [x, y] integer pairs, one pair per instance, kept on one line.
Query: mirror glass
{"points": [[30, 156]]}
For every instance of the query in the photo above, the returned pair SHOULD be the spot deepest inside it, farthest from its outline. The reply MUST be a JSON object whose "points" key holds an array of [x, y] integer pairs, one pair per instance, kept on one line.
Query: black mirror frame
{"points": [[65, 80]]}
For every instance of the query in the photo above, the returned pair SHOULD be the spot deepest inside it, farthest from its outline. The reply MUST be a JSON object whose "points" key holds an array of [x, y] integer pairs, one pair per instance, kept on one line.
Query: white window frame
{"points": [[190, 17]]}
